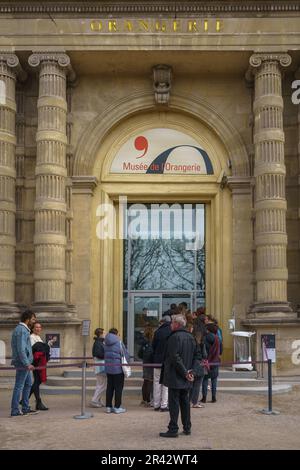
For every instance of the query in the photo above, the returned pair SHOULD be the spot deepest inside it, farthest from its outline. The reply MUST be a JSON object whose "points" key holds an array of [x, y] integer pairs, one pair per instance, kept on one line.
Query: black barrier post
{"points": [[270, 411]]}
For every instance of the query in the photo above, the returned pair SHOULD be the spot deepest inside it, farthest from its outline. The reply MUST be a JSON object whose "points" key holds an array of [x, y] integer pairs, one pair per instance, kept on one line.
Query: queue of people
{"points": [[185, 352]]}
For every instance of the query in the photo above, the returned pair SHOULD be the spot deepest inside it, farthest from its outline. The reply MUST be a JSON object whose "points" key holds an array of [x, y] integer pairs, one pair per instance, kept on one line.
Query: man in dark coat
{"points": [[178, 374]]}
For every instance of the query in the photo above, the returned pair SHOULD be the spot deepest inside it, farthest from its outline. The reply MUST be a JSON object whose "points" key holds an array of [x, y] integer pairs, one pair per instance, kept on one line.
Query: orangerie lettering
{"points": [[157, 26]]}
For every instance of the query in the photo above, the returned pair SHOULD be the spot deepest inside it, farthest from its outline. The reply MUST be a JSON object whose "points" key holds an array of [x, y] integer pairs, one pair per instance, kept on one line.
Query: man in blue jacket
{"points": [[22, 360]]}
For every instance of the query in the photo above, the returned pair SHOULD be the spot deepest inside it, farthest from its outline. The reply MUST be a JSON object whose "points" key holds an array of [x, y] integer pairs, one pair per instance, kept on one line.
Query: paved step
{"points": [[138, 381], [137, 372], [73, 373], [136, 391]]}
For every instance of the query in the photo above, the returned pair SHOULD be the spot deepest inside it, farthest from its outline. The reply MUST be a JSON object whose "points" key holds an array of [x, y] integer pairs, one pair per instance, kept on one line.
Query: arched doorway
{"points": [[192, 161]]}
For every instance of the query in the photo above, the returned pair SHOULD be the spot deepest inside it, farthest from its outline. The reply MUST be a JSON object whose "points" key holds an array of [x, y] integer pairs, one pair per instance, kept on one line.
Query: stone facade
{"points": [[79, 84]]}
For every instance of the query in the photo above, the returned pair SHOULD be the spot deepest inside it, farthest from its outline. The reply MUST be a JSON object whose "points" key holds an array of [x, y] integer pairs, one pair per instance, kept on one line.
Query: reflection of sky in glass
{"points": [[162, 256]]}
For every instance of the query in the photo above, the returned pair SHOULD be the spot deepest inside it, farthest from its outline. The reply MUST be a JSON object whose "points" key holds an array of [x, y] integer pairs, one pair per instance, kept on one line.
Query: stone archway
{"points": [[93, 136]]}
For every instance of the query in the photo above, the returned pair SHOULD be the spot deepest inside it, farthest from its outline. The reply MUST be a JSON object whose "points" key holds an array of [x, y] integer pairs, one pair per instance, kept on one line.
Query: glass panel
{"points": [[176, 299], [146, 312], [165, 255], [200, 271], [161, 265], [125, 319]]}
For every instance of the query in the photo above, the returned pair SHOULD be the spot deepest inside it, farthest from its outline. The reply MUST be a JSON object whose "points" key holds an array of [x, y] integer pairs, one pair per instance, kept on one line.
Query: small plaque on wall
{"points": [[268, 347], [53, 341]]}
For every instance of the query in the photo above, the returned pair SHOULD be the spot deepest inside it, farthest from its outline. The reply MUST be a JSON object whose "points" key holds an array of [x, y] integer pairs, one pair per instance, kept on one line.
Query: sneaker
{"points": [[119, 410], [95, 404], [16, 414], [157, 409], [186, 433], [164, 409], [30, 412], [109, 409], [213, 400]]}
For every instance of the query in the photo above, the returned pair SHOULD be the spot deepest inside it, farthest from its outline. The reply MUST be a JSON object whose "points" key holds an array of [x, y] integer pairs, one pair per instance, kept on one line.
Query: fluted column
{"points": [[51, 173], [270, 203], [9, 68]]}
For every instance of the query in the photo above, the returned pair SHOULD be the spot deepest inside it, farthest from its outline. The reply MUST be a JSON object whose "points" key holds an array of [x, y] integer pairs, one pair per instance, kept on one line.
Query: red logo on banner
{"points": [[141, 143]]}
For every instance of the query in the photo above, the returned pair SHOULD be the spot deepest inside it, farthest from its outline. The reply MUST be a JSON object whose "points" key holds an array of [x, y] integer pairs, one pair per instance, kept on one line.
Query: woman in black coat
{"points": [[201, 355], [98, 355], [214, 349], [146, 354]]}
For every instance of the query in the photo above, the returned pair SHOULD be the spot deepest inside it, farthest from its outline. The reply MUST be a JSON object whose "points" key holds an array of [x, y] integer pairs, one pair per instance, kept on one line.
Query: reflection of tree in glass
{"points": [[165, 264], [144, 262], [200, 266]]}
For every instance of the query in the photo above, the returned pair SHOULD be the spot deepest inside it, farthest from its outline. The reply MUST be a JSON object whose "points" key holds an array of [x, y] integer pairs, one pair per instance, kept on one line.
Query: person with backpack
{"points": [[98, 355]]}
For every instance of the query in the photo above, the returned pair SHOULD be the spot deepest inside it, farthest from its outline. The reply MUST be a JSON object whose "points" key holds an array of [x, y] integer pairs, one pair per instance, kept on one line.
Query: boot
{"points": [[203, 400], [40, 405]]}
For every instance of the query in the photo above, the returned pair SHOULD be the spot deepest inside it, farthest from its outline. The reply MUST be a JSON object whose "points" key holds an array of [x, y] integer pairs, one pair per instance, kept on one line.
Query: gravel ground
{"points": [[234, 422]]}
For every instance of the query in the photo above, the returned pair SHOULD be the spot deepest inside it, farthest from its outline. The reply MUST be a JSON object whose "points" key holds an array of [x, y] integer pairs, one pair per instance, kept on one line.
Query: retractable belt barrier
{"points": [[84, 365]]}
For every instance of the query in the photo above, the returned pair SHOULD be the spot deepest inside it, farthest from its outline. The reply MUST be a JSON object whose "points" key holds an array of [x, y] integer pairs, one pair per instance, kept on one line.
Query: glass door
{"points": [[144, 310]]}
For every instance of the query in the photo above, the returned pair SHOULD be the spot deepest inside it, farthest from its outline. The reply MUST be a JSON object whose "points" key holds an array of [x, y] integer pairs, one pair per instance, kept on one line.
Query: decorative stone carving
{"points": [[113, 8], [162, 81], [269, 171]]}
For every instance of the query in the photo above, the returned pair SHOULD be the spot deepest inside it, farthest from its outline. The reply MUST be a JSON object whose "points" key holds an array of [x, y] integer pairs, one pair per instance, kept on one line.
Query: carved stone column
{"points": [[51, 173], [270, 203], [9, 69]]}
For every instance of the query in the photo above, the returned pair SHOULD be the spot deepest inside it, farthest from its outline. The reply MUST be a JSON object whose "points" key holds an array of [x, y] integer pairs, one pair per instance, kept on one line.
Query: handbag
{"points": [[125, 367]]}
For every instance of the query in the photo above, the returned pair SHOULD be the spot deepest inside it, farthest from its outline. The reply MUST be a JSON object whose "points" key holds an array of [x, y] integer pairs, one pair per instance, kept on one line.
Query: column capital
{"points": [[11, 60], [62, 59], [257, 59]]}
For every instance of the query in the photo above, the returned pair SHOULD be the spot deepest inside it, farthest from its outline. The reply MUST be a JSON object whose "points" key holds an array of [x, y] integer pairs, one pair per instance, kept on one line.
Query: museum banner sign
{"points": [[162, 151]]}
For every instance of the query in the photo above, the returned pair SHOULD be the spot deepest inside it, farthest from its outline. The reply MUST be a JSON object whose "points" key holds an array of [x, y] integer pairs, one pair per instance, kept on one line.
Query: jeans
{"points": [[194, 392], [21, 390], [179, 398], [115, 384], [213, 386]]}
